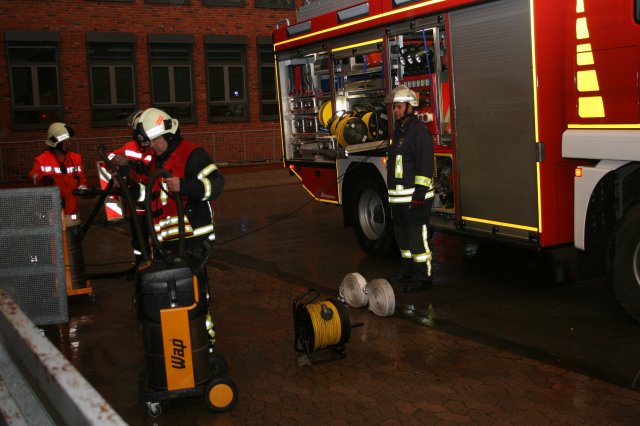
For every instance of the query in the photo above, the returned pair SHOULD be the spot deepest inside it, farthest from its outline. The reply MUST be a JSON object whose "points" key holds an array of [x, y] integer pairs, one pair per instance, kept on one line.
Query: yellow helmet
{"points": [[58, 132], [404, 94], [153, 123]]}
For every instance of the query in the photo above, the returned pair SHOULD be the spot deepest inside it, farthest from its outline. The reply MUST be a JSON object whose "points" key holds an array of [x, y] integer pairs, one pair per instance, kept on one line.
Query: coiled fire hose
{"points": [[352, 290], [381, 298]]}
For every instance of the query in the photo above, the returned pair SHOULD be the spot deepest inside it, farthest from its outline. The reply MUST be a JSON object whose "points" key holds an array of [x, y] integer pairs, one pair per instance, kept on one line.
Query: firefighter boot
{"points": [[418, 285], [403, 275]]}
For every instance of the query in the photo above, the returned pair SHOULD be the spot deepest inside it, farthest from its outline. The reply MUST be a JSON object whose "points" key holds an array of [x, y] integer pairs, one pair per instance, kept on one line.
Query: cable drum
{"points": [[352, 290], [382, 301], [354, 131], [320, 325]]}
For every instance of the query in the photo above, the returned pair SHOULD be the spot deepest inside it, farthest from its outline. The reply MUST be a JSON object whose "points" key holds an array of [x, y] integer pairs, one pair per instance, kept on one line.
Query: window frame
{"points": [[262, 42], [116, 40], [34, 39], [177, 2], [227, 43], [266, 4], [176, 43], [225, 3]]}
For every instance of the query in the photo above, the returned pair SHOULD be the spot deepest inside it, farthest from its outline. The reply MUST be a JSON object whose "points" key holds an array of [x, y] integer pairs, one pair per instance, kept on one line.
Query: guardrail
{"points": [[228, 147], [38, 385]]}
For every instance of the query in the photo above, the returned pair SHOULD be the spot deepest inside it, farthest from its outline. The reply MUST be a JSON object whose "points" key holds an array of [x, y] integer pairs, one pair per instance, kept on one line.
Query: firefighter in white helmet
{"points": [[411, 190], [61, 167], [194, 176]]}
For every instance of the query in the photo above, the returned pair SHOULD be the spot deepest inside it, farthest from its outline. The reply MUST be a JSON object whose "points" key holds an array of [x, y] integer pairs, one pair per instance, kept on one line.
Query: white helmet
{"points": [[58, 132], [153, 123], [404, 94]]}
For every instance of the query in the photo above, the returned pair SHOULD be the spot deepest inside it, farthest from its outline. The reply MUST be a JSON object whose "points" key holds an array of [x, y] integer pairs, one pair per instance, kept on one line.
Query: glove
{"points": [[47, 180], [416, 204], [139, 167]]}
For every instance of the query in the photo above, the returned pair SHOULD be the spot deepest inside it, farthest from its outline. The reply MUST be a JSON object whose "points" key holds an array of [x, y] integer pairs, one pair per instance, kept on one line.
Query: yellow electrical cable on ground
{"points": [[327, 332]]}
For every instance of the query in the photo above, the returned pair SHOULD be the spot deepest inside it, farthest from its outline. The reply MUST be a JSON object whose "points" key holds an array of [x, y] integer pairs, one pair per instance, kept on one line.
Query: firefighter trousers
{"points": [[411, 230]]}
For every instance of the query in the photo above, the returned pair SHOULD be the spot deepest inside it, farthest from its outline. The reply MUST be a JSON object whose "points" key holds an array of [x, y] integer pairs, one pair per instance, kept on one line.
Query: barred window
{"points": [[36, 100]]}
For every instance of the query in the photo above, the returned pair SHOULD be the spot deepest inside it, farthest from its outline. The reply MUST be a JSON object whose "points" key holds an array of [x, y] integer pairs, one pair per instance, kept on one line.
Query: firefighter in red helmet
{"points": [[411, 190], [61, 167]]}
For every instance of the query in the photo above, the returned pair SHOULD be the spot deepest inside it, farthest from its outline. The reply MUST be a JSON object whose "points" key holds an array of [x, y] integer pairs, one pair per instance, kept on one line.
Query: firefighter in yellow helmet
{"points": [[411, 190]]}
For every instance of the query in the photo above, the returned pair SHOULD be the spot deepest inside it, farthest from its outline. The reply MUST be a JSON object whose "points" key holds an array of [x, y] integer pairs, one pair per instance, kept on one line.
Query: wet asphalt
{"points": [[505, 343]]}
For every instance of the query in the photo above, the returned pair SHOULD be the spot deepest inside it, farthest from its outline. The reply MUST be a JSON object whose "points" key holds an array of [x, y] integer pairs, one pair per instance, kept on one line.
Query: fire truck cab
{"points": [[533, 105]]}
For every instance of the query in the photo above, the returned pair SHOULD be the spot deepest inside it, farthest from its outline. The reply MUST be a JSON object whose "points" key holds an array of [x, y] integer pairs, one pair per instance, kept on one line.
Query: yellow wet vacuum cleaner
{"points": [[172, 306]]}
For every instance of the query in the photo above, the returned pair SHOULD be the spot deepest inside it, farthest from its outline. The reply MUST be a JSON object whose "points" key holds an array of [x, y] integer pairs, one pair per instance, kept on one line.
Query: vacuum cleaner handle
{"points": [[176, 196], [127, 197]]}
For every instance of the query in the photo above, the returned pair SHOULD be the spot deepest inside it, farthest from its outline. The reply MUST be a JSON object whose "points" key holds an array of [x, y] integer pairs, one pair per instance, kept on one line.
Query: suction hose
{"points": [[130, 204]]}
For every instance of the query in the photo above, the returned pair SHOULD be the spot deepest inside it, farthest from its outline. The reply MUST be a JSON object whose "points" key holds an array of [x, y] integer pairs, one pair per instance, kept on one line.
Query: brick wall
{"points": [[72, 19]]}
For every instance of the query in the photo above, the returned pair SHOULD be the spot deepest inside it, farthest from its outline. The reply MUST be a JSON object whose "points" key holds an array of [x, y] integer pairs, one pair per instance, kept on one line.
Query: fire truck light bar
{"points": [[403, 2], [302, 27], [353, 12]]}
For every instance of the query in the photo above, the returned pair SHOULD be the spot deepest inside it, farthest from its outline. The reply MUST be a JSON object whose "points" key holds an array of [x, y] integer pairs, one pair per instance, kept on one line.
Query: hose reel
{"points": [[321, 328]]}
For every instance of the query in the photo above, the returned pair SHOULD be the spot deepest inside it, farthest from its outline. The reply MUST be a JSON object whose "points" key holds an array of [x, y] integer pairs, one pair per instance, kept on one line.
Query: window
{"points": [[638, 11], [169, 1], [34, 79], [226, 78], [276, 4], [223, 2], [111, 59], [171, 68], [267, 80]]}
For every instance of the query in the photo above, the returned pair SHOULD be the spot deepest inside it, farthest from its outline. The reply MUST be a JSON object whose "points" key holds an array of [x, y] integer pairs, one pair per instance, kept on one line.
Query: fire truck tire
{"points": [[625, 270], [372, 217]]}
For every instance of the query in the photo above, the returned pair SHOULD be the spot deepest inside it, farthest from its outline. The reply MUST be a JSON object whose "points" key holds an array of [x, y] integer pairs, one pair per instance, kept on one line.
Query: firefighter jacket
{"points": [[138, 170], [67, 175], [410, 162], [200, 185]]}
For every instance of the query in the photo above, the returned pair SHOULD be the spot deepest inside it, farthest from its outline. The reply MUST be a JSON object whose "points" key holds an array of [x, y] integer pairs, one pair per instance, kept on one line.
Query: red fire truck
{"points": [[534, 108]]}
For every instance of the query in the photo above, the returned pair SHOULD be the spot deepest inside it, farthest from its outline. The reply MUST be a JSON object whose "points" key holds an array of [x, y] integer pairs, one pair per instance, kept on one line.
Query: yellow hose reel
{"points": [[321, 328]]}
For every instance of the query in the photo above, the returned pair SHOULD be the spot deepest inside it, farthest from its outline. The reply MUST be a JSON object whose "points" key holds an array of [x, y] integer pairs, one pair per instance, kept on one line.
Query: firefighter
{"points": [[132, 161], [411, 190], [194, 176], [61, 167]]}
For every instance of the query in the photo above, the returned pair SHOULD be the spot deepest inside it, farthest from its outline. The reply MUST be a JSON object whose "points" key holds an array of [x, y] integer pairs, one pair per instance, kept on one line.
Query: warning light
{"points": [[578, 172]]}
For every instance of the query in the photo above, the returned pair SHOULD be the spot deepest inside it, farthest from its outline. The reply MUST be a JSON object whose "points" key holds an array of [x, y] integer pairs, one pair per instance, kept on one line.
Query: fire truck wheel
{"points": [[372, 217], [625, 270]]}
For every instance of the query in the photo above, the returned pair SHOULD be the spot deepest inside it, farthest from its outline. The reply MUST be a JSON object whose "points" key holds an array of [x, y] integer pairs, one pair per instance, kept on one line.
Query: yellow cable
{"points": [[327, 332]]}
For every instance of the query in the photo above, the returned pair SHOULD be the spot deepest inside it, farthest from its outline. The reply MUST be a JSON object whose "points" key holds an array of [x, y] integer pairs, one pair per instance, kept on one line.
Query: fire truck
{"points": [[533, 105]]}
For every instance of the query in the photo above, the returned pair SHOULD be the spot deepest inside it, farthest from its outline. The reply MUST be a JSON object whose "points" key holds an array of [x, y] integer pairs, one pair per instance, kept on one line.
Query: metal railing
{"points": [[225, 147]]}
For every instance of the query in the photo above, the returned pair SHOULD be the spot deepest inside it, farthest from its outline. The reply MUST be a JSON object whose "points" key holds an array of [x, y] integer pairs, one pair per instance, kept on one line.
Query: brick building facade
{"points": [[91, 63]]}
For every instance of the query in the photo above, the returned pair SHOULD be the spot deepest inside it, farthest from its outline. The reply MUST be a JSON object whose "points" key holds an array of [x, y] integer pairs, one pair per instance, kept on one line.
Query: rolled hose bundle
{"points": [[382, 301], [352, 290]]}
